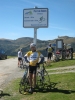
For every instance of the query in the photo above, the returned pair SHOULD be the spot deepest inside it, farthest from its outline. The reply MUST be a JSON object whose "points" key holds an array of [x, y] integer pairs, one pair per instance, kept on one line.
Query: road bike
{"points": [[43, 79], [22, 63], [24, 82]]}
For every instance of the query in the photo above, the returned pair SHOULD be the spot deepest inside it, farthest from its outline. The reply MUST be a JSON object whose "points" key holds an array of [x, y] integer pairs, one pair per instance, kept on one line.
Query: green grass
{"points": [[62, 63], [62, 88], [8, 57]]}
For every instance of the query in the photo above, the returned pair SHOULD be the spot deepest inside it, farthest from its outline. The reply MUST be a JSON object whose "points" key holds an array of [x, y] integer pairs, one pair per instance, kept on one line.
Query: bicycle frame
{"points": [[43, 77], [24, 81], [41, 80]]}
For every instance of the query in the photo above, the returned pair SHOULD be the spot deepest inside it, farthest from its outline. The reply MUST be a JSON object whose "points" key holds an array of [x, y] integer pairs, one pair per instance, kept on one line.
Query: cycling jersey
{"points": [[49, 49], [19, 54], [33, 57]]}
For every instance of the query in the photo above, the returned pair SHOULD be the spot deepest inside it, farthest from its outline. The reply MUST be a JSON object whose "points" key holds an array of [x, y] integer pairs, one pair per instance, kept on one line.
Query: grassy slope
{"points": [[63, 89]]}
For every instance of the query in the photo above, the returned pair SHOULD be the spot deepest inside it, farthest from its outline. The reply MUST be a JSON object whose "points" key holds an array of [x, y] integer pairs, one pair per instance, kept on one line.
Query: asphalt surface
{"points": [[8, 68]]}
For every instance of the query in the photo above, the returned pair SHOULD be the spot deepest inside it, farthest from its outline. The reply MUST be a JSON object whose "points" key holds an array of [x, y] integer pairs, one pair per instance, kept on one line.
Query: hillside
{"points": [[11, 47]]}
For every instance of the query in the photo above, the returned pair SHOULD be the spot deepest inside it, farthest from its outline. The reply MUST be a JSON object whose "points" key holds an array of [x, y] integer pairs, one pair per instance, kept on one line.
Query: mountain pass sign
{"points": [[35, 18]]}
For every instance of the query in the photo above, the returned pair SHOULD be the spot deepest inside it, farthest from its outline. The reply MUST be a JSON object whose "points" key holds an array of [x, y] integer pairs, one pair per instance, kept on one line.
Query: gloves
{"points": [[37, 64], [25, 57]]}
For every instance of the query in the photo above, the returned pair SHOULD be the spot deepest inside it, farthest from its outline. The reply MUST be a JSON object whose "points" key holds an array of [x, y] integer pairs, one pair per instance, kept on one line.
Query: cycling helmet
{"points": [[20, 49], [32, 45]]}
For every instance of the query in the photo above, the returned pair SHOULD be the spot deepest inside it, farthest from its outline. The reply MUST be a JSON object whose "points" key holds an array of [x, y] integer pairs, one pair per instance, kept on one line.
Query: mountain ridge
{"points": [[11, 47]]}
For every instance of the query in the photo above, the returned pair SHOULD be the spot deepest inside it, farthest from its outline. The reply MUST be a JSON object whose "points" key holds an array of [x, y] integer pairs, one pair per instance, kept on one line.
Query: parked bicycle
{"points": [[43, 79], [24, 83], [22, 63]]}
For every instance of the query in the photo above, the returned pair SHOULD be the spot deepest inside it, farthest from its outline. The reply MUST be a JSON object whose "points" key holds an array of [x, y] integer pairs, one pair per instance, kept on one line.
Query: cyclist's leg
{"points": [[18, 62], [50, 55], [21, 61], [48, 59], [34, 77], [30, 78]]}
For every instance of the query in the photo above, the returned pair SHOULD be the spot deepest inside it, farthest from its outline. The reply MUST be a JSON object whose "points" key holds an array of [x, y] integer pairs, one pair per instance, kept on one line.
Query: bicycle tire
{"points": [[43, 81], [39, 79], [21, 66], [46, 80], [23, 85]]}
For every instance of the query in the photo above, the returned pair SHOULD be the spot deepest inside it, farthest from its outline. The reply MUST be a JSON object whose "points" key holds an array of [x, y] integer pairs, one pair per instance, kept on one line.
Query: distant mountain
{"points": [[11, 47]]}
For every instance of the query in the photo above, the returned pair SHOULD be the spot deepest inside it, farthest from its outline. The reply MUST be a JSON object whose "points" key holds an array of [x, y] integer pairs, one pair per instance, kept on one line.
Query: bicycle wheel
{"points": [[46, 79], [21, 66], [43, 81], [39, 79], [24, 83]]}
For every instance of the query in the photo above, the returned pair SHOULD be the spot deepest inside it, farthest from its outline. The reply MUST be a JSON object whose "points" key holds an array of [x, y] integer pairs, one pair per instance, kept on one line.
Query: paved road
{"points": [[7, 68]]}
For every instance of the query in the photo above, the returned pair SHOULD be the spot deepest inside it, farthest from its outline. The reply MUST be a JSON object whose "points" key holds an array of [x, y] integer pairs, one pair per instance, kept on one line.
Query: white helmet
{"points": [[32, 45]]}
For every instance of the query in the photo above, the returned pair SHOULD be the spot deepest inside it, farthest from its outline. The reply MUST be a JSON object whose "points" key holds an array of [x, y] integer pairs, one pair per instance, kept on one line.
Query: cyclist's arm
{"points": [[25, 57], [42, 59], [46, 49]]}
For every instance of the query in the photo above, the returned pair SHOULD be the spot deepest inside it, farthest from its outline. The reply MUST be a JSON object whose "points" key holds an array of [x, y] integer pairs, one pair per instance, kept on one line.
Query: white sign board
{"points": [[59, 44], [35, 18]]}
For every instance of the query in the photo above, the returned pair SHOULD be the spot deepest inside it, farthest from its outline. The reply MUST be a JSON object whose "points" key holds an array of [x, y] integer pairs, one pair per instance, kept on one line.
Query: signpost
{"points": [[59, 44], [35, 18]]}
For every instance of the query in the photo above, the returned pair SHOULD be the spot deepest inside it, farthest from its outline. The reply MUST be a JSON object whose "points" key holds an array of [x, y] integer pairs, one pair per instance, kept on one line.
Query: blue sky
{"points": [[61, 19]]}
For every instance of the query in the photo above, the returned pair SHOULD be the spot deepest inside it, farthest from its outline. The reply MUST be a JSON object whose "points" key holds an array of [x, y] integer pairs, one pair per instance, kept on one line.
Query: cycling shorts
{"points": [[32, 69], [19, 58]]}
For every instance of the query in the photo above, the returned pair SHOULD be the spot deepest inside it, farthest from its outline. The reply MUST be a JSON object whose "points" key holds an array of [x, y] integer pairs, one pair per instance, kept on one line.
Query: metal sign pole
{"points": [[35, 32], [35, 36]]}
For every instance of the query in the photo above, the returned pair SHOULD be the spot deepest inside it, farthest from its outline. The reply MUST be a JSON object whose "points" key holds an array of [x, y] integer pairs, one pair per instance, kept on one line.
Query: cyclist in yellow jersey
{"points": [[49, 49], [33, 58]]}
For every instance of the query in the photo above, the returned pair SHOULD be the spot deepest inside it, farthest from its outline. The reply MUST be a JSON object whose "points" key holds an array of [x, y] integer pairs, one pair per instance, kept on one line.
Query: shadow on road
{"points": [[4, 94]]}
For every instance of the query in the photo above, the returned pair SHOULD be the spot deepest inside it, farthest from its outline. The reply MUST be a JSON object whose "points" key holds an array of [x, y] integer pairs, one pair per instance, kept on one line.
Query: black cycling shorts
{"points": [[19, 58], [49, 55], [32, 69]]}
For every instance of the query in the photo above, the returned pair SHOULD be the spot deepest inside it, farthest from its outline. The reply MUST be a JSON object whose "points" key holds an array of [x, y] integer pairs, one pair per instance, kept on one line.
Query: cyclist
{"points": [[49, 49], [20, 57], [33, 58]]}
